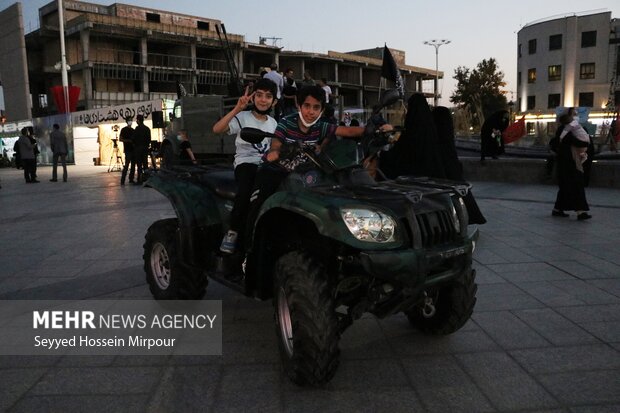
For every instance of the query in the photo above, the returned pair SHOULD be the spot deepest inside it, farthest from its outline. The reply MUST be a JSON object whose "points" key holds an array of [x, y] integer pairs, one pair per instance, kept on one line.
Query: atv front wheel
{"points": [[306, 322], [446, 309], [168, 279]]}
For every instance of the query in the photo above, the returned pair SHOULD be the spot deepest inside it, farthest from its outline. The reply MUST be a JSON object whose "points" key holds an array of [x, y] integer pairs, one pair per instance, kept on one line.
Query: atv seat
{"points": [[222, 182]]}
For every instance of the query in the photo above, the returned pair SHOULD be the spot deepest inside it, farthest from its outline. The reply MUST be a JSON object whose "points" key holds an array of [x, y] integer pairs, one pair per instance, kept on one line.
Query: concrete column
{"points": [[87, 72], [85, 41], [192, 53], [239, 58], [571, 66], [360, 96], [144, 62]]}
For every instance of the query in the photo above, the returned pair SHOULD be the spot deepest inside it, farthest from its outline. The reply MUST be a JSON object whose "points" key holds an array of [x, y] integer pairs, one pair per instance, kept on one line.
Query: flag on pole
{"points": [[389, 70], [515, 131]]}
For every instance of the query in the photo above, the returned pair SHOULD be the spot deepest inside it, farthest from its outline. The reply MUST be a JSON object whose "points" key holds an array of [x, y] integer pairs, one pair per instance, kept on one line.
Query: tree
{"points": [[478, 90]]}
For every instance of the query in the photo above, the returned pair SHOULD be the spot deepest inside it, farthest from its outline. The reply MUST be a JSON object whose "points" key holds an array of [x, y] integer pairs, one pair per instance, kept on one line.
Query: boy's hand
{"points": [[245, 100], [386, 128], [272, 156]]}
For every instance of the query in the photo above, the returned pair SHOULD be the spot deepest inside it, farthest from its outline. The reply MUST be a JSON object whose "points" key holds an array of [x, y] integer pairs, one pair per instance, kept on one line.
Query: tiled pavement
{"points": [[545, 335]]}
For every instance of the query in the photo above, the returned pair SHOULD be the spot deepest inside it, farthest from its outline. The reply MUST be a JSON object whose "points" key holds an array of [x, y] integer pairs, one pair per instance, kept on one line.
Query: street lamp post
{"points": [[436, 43]]}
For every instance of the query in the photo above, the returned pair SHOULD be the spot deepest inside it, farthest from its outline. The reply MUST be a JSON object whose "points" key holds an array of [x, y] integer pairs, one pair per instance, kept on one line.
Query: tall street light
{"points": [[436, 43]]}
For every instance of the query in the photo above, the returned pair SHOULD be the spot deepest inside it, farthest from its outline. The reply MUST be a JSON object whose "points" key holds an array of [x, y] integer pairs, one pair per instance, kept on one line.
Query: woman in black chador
{"points": [[417, 150], [571, 182], [453, 169], [491, 143]]}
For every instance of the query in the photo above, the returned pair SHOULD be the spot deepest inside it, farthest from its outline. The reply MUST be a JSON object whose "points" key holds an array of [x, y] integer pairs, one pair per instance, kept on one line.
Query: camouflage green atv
{"points": [[329, 246]]}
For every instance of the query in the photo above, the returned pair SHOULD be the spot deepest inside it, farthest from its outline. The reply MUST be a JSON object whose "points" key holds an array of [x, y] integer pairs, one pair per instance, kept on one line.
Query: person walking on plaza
{"points": [[491, 142], [571, 194], [126, 137], [26, 151], [60, 148], [141, 142]]}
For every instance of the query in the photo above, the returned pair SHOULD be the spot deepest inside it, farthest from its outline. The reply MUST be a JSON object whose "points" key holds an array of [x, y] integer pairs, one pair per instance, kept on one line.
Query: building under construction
{"points": [[121, 53]]}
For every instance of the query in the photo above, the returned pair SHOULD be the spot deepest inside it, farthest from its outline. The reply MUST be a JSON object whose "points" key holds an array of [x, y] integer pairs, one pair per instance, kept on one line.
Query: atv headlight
{"points": [[455, 219], [368, 225]]}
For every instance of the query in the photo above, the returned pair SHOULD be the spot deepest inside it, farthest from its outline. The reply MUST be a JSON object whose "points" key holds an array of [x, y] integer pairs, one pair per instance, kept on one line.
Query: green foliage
{"points": [[478, 90]]}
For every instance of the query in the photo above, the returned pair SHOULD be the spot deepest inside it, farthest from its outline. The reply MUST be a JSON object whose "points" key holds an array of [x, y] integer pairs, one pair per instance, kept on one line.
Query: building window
{"points": [[531, 102], [555, 72], [588, 39], [518, 78], [202, 25], [586, 99], [531, 75], [555, 42], [554, 101], [153, 17], [519, 50], [531, 46], [586, 71]]}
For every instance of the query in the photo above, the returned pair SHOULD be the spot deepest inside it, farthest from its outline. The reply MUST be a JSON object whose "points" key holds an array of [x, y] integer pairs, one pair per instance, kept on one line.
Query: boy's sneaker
{"points": [[229, 242]]}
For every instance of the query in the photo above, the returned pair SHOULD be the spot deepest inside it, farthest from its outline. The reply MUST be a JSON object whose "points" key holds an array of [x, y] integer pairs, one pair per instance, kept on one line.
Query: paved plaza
{"points": [[544, 337]]}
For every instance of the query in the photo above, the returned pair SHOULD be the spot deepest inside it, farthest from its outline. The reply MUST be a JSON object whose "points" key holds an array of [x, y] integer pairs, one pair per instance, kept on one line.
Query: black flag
{"points": [[389, 70]]}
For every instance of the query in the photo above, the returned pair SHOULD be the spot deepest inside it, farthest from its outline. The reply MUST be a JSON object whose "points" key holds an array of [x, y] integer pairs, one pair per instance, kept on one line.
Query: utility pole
{"points": [[63, 55]]}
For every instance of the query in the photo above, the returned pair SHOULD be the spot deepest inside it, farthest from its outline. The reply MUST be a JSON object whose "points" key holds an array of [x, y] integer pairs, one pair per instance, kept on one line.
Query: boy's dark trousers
{"points": [[245, 175], [268, 179]]}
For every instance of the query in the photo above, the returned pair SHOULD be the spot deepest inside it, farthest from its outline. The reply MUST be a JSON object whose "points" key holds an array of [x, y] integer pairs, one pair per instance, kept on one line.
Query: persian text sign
{"points": [[116, 114], [111, 327]]}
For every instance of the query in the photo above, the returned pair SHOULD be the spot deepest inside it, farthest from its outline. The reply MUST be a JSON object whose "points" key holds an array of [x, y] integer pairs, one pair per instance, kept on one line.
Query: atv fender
{"points": [[194, 205]]}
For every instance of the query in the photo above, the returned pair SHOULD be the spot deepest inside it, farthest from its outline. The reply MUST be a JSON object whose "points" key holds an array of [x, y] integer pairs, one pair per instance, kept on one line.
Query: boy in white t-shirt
{"points": [[247, 156]]}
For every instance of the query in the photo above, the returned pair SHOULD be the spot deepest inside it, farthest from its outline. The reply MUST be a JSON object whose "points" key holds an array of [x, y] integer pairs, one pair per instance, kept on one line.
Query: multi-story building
{"points": [[570, 60], [122, 53]]}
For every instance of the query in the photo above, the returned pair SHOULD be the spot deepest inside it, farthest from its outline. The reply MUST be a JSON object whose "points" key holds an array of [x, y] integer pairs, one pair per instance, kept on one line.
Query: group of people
{"points": [[287, 88], [26, 151], [135, 146], [425, 148]]}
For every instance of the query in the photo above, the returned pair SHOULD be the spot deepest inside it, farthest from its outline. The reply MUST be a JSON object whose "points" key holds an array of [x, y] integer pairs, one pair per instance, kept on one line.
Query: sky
{"points": [[477, 29]]}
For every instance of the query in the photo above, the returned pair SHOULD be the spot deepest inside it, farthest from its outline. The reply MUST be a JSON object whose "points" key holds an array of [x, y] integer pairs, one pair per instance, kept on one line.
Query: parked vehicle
{"points": [[329, 246]]}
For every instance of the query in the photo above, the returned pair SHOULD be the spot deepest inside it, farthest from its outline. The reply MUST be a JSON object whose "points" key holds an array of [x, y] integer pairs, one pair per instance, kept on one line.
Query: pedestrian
{"points": [[35, 147], [186, 155], [27, 154], [307, 80], [126, 136], [571, 194], [60, 149], [453, 169], [141, 142], [491, 142], [247, 156], [328, 90], [288, 103], [276, 78]]}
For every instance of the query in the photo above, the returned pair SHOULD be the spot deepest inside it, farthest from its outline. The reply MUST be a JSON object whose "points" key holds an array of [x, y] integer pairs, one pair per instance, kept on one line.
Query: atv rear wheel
{"points": [[168, 279], [306, 322], [447, 308]]}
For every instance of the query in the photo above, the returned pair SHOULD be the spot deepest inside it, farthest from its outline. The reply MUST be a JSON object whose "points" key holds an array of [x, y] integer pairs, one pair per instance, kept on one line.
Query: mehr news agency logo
{"points": [[87, 320]]}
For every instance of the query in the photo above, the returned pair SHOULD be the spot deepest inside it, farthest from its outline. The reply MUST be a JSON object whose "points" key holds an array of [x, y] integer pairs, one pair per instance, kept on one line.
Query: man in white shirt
{"points": [[326, 88], [276, 78]]}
